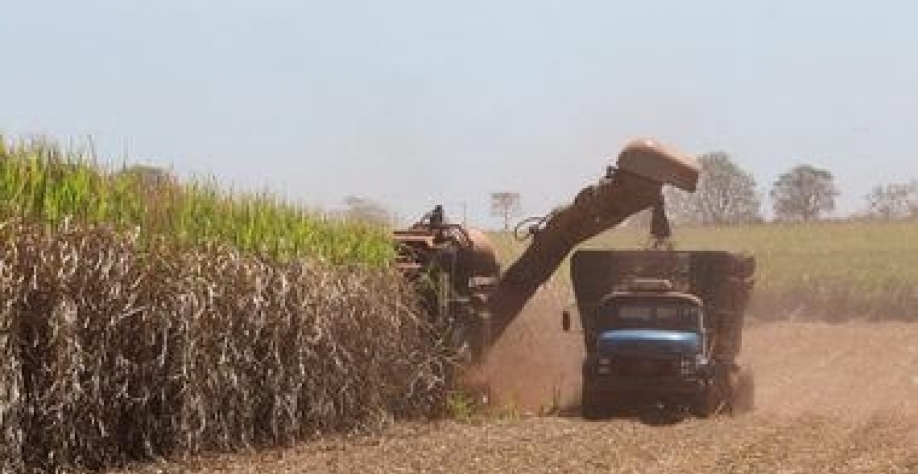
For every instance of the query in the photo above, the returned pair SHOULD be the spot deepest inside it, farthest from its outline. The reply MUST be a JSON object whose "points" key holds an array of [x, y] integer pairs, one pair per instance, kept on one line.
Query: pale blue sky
{"points": [[418, 102]]}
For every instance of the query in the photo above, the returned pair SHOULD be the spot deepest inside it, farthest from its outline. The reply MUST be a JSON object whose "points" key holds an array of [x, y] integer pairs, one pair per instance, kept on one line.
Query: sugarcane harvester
{"points": [[457, 269]]}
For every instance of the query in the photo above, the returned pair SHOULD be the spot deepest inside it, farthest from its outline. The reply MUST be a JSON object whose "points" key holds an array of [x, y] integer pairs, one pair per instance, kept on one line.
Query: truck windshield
{"points": [[647, 315]]}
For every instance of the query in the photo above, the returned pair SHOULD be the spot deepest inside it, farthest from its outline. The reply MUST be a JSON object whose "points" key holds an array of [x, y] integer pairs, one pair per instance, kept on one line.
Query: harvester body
{"points": [[454, 269], [663, 327]]}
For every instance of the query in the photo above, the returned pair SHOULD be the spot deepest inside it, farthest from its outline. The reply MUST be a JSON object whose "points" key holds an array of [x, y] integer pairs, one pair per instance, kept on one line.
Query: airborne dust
{"points": [[830, 398], [853, 371], [535, 366]]}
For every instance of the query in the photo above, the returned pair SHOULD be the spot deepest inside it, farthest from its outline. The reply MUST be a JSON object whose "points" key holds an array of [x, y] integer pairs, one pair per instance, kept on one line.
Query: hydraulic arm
{"points": [[643, 167]]}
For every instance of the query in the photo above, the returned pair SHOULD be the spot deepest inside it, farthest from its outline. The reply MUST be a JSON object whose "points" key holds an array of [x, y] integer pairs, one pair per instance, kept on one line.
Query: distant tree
{"points": [[366, 210], [804, 193], [147, 175], [148, 180], [893, 201], [726, 195], [506, 205]]}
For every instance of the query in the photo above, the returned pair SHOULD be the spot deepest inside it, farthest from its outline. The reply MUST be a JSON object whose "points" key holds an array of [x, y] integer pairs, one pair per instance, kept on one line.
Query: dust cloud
{"points": [[853, 371], [831, 398], [535, 366]]}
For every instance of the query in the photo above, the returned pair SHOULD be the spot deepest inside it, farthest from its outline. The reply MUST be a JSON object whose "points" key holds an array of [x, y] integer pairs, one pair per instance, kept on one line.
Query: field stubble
{"points": [[832, 398]]}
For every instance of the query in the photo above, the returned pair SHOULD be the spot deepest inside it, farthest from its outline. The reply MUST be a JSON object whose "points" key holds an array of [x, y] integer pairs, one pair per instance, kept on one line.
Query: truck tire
{"points": [[591, 406], [717, 395], [705, 403], [743, 392]]}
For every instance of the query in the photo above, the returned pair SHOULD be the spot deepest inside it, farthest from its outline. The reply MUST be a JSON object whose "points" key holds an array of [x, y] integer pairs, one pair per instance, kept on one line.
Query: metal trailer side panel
{"points": [[723, 281]]}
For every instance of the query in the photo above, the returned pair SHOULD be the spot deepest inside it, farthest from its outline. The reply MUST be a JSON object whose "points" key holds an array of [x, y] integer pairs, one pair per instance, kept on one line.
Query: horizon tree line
{"points": [[728, 195]]}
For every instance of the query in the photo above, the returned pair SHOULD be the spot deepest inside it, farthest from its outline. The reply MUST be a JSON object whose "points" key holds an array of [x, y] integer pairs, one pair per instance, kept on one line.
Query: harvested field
{"points": [[832, 398]]}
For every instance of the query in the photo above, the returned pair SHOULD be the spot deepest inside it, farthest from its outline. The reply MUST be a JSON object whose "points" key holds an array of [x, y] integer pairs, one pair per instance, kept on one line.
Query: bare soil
{"points": [[830, 398]]}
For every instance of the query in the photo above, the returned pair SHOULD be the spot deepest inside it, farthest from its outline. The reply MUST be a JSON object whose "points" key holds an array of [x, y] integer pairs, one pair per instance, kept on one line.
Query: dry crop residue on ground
{"points": [[840, 398]]}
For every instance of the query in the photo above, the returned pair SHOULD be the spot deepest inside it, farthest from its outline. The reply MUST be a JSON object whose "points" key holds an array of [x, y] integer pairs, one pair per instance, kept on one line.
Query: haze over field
{"points": [[318, 101], [823, 405], [176, 322]]}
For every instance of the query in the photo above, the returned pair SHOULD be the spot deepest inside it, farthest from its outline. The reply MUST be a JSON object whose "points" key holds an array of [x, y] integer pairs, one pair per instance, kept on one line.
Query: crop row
{"points": [[41, 182], [113, 350]]}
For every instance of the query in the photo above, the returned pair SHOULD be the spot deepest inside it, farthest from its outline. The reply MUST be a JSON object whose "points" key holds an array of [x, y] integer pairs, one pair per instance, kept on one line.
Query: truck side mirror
{"points": [[565, 321]]}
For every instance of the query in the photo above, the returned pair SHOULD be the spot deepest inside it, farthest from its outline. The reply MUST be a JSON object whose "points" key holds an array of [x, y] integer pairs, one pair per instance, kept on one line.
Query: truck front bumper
{"points": [[651, 388]]}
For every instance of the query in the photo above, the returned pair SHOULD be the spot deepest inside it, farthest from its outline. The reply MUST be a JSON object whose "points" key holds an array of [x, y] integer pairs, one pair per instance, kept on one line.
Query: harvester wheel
{"points": [[462, 344]]}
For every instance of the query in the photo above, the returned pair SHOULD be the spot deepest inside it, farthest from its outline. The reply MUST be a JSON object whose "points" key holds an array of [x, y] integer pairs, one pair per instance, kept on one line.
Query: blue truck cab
{"points": [[645, 344], [662, 328]]}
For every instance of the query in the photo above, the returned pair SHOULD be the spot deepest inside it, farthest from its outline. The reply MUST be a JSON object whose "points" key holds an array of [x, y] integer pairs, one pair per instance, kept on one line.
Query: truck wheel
{"points": [[590, 404], [744, 392], [705, 403]]}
